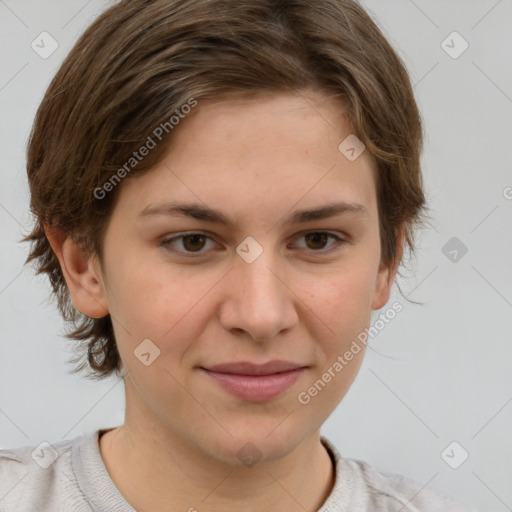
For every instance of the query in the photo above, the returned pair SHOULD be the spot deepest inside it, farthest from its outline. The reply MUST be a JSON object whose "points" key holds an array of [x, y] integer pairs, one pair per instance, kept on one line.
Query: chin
{"points": [[260, 443]]}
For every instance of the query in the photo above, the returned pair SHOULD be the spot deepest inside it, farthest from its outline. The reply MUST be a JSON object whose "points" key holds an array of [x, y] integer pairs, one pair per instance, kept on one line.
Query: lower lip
{"points": [[256, 388]]}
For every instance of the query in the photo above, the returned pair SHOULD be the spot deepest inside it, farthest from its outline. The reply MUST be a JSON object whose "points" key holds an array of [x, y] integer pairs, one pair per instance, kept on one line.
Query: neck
{"points": [[161, 472]]}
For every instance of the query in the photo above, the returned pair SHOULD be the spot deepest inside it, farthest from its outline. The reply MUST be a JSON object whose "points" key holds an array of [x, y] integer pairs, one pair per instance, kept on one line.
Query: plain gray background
{"points": [[439, 372]]}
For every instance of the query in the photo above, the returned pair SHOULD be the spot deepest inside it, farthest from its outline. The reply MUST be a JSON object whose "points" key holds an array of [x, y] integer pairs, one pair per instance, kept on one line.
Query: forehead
{"points": [[268, 121], [258, 155]]}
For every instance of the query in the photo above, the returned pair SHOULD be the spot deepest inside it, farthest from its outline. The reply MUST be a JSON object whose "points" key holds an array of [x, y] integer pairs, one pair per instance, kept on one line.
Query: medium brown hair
{"points": [[141, 61]]}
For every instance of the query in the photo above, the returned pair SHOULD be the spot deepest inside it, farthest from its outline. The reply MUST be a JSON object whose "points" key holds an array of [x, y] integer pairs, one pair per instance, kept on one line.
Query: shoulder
{"points": [[360, 486], [38, 477], [399, 492]]}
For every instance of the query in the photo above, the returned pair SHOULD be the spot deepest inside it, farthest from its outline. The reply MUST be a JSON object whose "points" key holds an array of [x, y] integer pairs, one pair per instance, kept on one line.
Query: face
{"points": [[243, 277]]}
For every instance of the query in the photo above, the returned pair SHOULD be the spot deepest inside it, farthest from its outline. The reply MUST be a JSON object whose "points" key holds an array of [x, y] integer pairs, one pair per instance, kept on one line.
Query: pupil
{"points": [[192, 237], [316, 236]]}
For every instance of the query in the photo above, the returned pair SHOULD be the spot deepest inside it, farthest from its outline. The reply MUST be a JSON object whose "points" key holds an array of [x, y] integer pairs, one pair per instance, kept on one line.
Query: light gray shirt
{"points": [[70, 476]]}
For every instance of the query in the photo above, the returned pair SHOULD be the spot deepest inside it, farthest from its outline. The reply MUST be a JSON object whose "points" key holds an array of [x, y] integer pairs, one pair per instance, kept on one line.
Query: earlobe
{"points": [[82, 276], [383, 286], [386, 275]]}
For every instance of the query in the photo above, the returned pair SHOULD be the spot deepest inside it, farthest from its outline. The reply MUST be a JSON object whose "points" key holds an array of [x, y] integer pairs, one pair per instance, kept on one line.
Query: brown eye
{"points": [[316, 241], [193, 242]]}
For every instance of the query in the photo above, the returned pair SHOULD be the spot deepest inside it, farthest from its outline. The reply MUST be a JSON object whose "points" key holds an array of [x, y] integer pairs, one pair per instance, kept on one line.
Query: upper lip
{"points": [[246, 368]]}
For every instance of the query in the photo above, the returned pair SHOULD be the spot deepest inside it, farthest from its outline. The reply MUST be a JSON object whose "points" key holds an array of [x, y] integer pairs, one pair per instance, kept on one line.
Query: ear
{"points": [[386, 274], [82, 273]]}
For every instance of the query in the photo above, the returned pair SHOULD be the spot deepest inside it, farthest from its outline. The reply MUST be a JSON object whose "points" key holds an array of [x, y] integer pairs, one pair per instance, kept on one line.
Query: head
{"points": [[239, 108]]}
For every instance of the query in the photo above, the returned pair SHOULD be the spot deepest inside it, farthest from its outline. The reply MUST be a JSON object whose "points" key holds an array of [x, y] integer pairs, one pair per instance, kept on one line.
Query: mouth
{"points": [[255, 383]]}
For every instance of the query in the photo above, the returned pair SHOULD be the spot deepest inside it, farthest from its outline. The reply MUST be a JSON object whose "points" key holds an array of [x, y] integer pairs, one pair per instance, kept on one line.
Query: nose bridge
{"points": [[256, 270], [261, 302]]}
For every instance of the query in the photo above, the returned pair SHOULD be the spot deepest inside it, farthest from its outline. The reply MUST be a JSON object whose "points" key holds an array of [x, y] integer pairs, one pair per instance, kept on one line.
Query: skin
{"points": [[301, 300]]}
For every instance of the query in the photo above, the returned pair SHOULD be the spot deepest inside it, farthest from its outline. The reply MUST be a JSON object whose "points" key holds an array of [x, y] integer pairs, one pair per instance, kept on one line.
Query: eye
{"points": [[191, 243], [318, 239]]}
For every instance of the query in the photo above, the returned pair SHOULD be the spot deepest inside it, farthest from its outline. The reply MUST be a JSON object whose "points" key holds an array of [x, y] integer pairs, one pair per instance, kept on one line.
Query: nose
{"points": [[259, 300]]}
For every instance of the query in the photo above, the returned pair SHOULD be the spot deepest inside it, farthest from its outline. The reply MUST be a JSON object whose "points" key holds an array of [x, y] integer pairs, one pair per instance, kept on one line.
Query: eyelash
{"points": [[168, 241]]}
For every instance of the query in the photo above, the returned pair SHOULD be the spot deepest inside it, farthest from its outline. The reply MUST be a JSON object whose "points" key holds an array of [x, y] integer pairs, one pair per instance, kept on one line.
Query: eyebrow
{"points": [[205, 213]]}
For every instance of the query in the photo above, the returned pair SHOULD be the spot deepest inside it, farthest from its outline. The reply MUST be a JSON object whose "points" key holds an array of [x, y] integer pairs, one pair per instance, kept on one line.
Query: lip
{"points": [[255, 383]]}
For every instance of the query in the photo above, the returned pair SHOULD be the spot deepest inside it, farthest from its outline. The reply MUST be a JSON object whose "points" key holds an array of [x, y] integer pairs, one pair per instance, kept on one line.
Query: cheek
{"points": [[344, 298], [161, 304]]}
